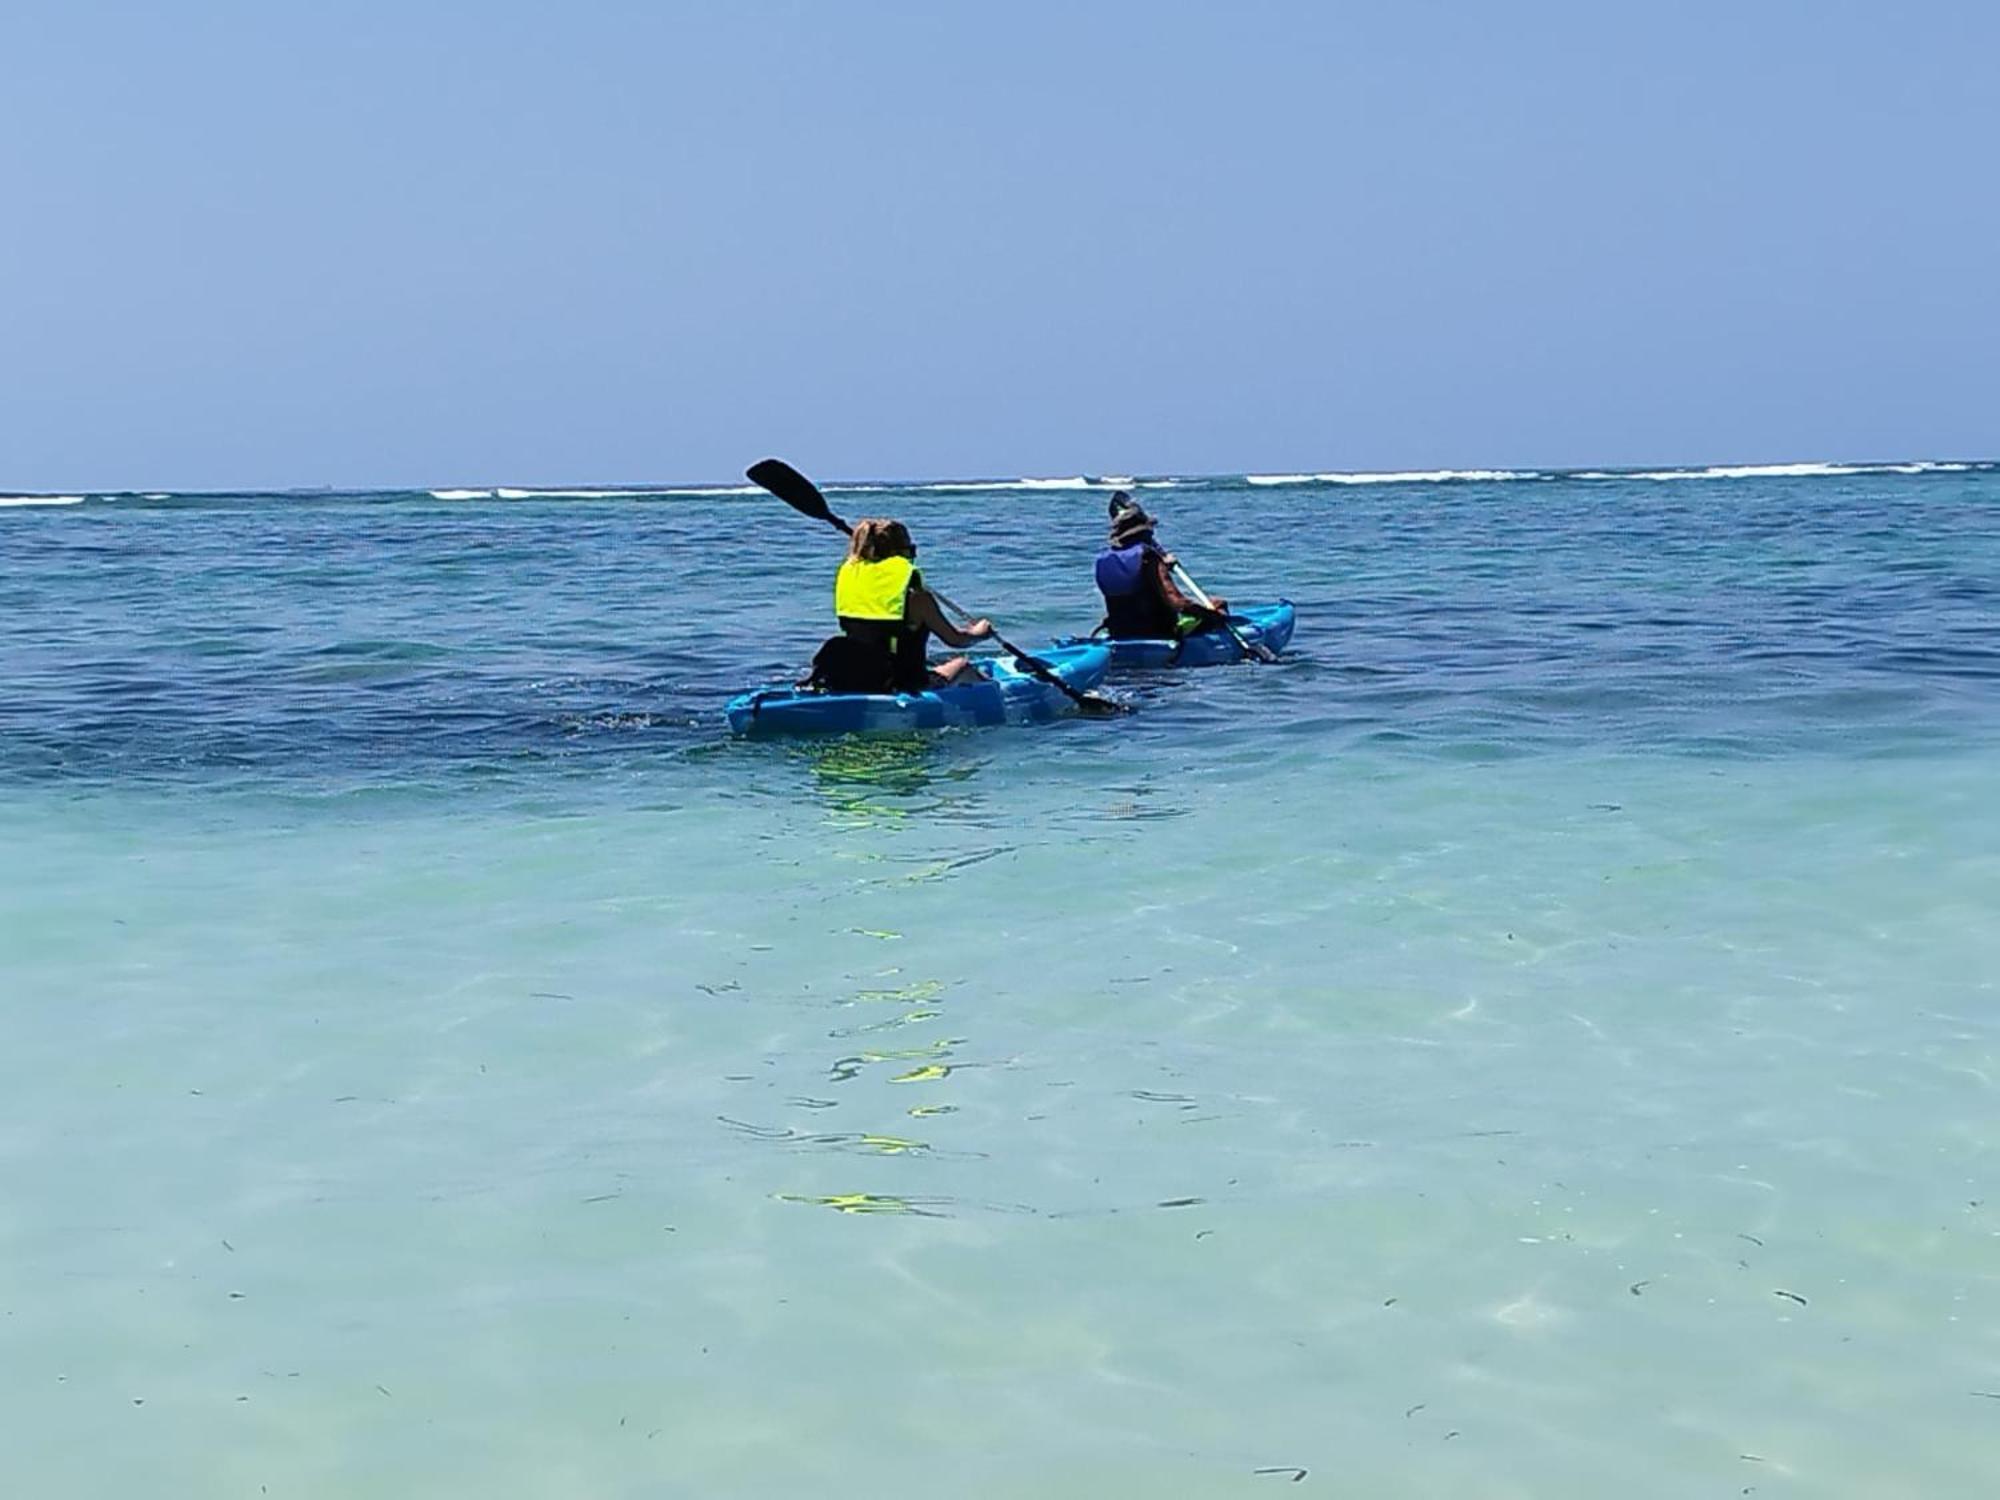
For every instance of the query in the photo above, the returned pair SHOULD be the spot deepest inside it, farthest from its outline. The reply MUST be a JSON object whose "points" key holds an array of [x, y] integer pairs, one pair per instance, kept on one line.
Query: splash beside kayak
{"points": [[1008, 695]]}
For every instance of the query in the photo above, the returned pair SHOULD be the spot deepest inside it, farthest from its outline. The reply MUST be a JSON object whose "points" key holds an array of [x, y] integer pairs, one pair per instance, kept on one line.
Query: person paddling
{"points": [[887, 617], [1141, 600]]}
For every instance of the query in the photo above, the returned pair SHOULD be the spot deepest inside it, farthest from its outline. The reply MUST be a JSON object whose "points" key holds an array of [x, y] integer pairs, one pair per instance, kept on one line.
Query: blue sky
{"points": [[265, 244]]}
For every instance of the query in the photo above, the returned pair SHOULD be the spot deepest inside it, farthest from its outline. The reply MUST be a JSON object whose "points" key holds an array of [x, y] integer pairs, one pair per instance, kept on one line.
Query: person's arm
{"points": [[923, 610], [1162, 564]]}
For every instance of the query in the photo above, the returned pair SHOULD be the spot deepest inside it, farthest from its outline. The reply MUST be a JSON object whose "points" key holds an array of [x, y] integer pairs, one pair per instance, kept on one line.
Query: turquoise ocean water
{"points": [[1540, 1040]]}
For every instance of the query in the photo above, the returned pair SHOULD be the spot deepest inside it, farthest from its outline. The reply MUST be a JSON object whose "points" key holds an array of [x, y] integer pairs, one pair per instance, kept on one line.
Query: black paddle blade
{"points": [[792, 487]]}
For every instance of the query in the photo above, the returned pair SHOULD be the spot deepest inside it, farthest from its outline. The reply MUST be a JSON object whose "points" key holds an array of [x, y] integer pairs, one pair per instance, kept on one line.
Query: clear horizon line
{"points": [[971, 482]]}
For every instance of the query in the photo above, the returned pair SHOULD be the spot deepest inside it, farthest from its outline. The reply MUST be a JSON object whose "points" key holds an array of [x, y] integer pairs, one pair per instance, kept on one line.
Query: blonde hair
{"points": [[875, 539]]}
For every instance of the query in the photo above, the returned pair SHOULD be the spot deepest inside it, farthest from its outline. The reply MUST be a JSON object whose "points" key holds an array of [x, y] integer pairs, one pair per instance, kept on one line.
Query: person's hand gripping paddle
{"points": [[1255, 650]]}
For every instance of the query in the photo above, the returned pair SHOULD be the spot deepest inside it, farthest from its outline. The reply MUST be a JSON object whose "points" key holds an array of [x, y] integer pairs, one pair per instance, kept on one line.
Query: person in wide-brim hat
{"points": [[1130, 522], [1135, 575]]}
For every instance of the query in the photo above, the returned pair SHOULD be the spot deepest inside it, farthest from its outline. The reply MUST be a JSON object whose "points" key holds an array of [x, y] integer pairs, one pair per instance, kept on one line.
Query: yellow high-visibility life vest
{"points": [[872, 590]]}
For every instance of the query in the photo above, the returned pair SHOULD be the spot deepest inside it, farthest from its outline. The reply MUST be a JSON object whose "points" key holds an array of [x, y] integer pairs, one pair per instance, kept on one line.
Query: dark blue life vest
{"points": [[1134, 608]]}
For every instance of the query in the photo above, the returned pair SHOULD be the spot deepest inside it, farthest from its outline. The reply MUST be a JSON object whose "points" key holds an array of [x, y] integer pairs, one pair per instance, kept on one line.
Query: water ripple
{"points": [[341, 640]]}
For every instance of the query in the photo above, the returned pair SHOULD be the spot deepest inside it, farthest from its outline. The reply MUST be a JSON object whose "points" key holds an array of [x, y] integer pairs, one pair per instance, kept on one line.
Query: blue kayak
{"points": [[1007, 695], [1270, 624]]}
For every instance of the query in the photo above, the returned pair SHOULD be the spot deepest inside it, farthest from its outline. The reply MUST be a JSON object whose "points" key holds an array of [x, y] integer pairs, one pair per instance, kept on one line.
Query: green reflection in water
{"points": [[915, 994], [869, 1203], [885, 781]]}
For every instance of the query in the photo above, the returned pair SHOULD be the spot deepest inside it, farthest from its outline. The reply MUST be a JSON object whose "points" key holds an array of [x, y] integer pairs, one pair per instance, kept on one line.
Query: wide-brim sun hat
{"points": [[1131, 523]]}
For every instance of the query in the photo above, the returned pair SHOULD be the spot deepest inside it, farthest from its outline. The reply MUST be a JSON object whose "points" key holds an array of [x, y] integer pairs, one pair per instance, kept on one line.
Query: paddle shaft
{"points": [[965, 614], [1256, 651], [1094, 701]]}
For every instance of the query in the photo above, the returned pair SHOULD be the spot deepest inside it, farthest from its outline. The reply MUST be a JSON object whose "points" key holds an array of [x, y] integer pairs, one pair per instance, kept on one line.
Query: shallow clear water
{"points": [[1541, 1038]]}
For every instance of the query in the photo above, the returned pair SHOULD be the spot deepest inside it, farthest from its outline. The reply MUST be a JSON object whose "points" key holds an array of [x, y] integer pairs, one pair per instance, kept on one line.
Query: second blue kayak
{"points": [[1007, 695], [1270, 624]]}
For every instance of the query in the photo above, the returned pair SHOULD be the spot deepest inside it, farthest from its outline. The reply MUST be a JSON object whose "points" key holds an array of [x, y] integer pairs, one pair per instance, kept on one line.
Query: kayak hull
{"points": [[1008, 695], [1268, 624]]}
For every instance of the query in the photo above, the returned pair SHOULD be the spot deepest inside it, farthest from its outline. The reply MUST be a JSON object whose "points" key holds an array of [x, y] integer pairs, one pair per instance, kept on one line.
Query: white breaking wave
{"points": [[1757, 471], [1782, 471], [1429, 476], [1814, 470], [15, 501], [1399, 476], [1794, 471], [507, 494], [969, 486], [1076, 482]]}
